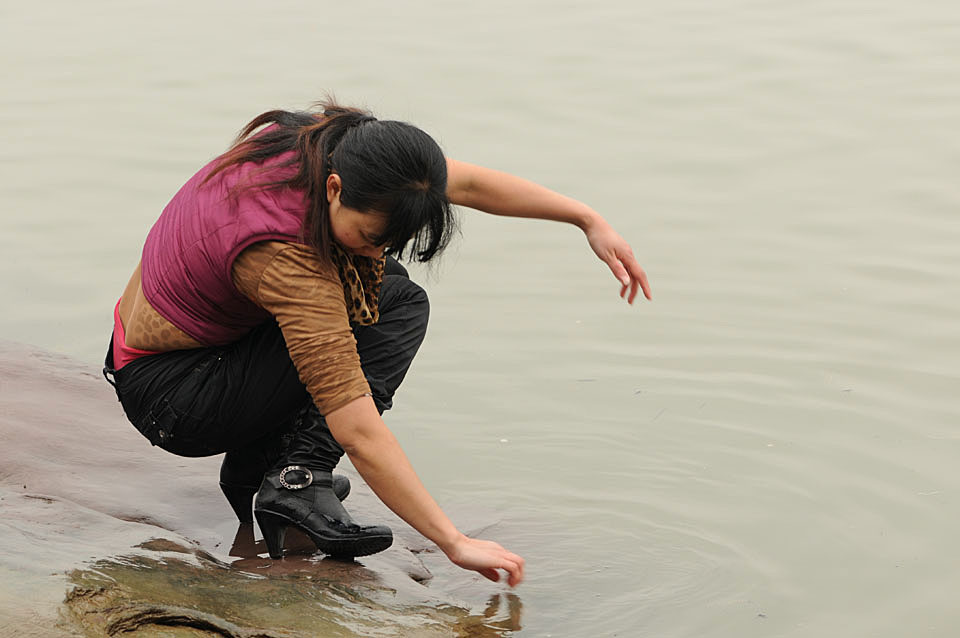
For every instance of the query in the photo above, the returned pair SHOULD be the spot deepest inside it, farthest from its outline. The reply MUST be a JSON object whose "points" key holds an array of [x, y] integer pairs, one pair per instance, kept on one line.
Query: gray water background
{"points": [[767, 449]]}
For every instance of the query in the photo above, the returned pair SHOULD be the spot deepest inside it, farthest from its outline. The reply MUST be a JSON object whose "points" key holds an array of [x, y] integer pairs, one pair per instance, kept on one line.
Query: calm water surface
{"points": [[767, 449]]}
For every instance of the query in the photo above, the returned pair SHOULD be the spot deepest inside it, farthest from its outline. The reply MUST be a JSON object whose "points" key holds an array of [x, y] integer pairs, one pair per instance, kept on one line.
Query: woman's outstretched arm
{"points": [[377, 455], [500, 193]]}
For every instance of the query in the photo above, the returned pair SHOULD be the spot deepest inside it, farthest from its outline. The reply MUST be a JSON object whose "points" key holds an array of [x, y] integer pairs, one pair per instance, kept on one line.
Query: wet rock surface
{"points": [[103, 535]]}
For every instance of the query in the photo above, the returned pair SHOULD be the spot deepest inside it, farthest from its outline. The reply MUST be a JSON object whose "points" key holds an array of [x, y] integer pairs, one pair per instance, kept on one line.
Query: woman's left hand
{"points": [[617, 254], [500, 193]]}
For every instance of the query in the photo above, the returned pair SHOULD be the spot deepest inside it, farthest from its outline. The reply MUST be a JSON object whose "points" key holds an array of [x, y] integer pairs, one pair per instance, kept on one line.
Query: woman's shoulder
{"points": [[284, 259]]}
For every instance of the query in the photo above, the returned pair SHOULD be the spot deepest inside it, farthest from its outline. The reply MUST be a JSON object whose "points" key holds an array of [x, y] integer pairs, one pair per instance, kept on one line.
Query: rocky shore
{"points": [[103, 535]]}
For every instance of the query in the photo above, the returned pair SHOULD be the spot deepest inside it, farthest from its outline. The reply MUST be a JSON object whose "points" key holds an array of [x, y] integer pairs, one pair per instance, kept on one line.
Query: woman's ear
{"points": [[333, 187]]}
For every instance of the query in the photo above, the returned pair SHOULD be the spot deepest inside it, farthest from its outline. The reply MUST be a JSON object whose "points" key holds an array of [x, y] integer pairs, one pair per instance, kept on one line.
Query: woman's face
{"points": [[353, 229]]}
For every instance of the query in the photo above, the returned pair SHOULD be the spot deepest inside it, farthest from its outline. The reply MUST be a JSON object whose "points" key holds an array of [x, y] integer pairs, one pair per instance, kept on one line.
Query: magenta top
{"points": [[189, 253]]}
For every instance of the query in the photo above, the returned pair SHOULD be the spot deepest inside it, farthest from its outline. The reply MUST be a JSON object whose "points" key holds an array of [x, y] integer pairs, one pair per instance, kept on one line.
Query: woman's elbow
{"points": [[357, 426]]}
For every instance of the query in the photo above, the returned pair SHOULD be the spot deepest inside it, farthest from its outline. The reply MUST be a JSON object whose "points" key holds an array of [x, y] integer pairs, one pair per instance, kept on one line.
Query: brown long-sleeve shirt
{"points": [[306, 297]]}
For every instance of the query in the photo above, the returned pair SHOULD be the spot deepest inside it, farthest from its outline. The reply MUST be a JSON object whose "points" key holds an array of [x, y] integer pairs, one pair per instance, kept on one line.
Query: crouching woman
{"points": [[270, 320]]}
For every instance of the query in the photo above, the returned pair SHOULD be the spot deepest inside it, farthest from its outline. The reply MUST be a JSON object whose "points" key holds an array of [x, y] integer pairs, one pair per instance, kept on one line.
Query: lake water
{"points": [[769, 448]]}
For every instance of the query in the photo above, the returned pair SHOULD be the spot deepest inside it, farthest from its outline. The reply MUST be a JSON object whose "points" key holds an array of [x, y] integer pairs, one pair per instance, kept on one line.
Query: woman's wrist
{"points": [[588, 219], [449, 543]]}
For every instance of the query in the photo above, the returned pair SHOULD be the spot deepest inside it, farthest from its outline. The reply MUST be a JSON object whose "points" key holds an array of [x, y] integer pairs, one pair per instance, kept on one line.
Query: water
{"points": [[768, 448]]}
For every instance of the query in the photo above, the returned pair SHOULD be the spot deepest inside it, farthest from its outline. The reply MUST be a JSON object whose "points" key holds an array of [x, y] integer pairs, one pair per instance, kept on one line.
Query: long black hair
{"points": [[384, 166]]}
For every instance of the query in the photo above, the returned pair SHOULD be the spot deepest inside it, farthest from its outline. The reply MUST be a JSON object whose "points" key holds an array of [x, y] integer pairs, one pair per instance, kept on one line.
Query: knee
{"points": [[393, 267], [402, 297], [398, 290], [414, 294]]}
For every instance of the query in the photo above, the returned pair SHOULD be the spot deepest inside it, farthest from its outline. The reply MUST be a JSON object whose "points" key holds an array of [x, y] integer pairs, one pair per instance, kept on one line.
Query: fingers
{"points": [[621, 274], [618, 270], [631, 276], [638, 278], [513, 565], [487, 557], [514, 574], [510, 563], [490, 574], [641, 279]]}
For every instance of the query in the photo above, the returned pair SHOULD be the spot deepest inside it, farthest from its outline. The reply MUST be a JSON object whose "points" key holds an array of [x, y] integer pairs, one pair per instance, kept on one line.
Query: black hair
{"points": [[384, 166]]}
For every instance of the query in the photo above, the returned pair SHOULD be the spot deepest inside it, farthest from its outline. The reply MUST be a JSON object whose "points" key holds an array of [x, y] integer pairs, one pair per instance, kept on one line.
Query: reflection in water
{"points": [[501, 615], [300, 558], [504, 611], [164, 587], [244, 545], [296, 544]]}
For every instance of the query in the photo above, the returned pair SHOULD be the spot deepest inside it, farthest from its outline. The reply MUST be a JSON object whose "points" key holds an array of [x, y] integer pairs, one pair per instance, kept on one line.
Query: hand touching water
{"points": [[486, 557], [617, 254]]}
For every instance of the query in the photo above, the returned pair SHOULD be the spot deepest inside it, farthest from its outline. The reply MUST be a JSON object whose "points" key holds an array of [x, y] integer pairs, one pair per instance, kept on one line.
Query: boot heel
{"points": [[274, 530], [240, 499]]}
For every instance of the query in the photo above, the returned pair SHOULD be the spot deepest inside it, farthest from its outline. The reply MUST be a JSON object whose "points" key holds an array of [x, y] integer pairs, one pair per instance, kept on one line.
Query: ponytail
{"points": [[313, 138]]}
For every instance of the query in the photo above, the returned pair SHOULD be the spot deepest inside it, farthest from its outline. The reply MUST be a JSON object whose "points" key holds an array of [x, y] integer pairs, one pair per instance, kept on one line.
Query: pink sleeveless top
{"points": [[189, 253]]}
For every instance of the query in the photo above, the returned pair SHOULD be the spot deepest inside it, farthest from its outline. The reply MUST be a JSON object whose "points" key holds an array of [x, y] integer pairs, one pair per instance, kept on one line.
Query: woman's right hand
{"points": [[486, 557], [377, 455]]}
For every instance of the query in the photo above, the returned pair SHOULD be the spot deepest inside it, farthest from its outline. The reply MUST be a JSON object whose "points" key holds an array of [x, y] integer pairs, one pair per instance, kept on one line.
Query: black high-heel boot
{"points": [[240, 496], [241, 473], [306, 500]]}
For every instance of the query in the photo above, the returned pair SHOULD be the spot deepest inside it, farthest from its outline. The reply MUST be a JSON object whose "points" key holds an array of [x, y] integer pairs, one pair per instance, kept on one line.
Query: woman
{"points": [[268, 318]]}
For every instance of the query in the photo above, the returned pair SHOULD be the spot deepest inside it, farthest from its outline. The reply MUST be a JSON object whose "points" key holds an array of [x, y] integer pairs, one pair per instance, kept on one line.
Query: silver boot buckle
{"points": [[295, 486]]}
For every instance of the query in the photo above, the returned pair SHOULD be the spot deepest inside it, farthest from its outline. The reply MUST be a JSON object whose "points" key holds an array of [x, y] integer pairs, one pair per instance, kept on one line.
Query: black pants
{"points": [[247, 394]]}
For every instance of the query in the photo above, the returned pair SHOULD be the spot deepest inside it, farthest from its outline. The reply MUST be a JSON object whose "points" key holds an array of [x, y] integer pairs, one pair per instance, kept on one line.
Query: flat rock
{"points": [[102, 535]]}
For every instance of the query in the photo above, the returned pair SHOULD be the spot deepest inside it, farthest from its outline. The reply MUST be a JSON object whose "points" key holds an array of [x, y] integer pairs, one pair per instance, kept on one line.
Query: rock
{"points": [[102, 535]]}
